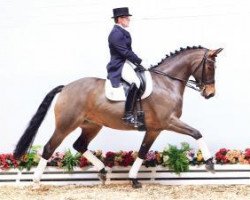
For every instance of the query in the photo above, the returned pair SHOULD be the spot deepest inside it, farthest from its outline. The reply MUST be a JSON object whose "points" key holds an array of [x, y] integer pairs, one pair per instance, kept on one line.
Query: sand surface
{"points": [[125, 191]]}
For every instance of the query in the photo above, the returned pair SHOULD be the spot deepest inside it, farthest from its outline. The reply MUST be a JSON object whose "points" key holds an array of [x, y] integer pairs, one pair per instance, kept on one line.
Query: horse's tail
{"points": [[29, 134]]}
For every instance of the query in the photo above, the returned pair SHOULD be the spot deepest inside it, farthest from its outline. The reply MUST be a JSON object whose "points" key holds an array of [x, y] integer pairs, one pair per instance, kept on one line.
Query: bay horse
{"points": [[83, 104]]}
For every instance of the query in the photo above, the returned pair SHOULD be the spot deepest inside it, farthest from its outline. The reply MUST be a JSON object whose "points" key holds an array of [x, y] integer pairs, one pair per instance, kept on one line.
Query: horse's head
{"points": [[204, 73]]}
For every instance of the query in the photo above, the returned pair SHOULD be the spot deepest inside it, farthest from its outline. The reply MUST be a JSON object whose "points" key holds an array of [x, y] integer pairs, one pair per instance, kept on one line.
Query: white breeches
{"points": [[129, 75]]}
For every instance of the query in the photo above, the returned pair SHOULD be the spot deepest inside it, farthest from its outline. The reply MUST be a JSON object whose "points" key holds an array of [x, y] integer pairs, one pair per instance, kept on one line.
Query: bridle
{"points": [[197, 85]]}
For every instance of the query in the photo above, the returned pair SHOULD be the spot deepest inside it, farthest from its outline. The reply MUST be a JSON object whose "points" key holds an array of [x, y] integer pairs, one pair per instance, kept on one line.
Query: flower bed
{"points": [[172, 166], [176, 159]]}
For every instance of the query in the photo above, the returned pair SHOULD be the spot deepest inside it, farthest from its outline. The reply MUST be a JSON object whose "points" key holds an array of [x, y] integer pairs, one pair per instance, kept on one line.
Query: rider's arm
{"points": [[119, 44]]}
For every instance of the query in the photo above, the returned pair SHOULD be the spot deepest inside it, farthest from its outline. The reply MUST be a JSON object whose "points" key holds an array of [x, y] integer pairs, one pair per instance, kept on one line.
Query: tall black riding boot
{"points": [[130, 104]]}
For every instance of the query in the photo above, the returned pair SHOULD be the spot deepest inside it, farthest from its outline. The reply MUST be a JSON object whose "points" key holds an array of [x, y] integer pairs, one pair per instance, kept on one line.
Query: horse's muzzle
{"points": [[208, 91], [209, 96]]}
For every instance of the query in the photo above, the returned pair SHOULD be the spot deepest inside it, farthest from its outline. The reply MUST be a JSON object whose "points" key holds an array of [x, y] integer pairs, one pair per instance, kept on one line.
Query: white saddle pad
{"points": [[118, 94]]}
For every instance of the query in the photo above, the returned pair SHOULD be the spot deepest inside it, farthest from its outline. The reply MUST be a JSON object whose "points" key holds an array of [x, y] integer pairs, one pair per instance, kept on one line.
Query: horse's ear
{"points": [[213, 53], [217, 51]]}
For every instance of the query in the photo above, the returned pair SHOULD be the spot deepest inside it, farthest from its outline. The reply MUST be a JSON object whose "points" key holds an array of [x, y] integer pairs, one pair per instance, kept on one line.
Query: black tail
{"points": [[29, 134]]}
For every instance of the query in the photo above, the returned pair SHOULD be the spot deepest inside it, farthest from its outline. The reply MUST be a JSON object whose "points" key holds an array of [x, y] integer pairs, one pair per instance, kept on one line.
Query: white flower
{"points": [[165, 158]]}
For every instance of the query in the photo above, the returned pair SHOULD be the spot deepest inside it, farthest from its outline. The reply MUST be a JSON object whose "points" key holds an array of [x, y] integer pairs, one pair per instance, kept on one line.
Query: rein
{"points": [[189, 83], [193, 84]]}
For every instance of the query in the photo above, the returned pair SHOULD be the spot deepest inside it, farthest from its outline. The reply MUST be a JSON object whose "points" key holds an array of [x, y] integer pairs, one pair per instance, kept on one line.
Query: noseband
{"points": [[193, 84]]}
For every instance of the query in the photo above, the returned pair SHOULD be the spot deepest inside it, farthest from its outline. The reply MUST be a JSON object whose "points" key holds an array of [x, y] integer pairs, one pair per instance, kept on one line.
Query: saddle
{"points": [[120, 93]]}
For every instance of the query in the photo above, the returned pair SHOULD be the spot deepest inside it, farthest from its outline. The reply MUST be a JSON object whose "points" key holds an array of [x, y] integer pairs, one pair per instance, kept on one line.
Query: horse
{"points": [[83, 104]]}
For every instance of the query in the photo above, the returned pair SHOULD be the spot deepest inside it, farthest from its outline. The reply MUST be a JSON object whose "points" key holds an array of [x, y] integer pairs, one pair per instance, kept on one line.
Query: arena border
{"points": [[197, 175]]}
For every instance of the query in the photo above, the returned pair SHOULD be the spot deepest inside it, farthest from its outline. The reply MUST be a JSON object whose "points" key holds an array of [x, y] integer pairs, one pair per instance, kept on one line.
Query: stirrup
{"points": [[129, 117], [135, 123]]}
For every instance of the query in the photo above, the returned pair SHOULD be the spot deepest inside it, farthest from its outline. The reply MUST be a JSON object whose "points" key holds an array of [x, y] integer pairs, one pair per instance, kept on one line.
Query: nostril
{"points": [[210, 95]]}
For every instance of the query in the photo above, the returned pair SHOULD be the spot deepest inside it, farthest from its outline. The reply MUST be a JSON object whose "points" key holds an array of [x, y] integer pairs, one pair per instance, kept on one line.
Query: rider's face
{"points": [[124, 21]]}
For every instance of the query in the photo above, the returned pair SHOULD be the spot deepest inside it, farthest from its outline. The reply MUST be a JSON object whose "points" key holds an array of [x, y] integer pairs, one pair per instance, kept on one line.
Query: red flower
{"points": [[7, 161], [83, 162], [110, 154], [220, 156], [109, 159], [247, 153], [127, 159]]}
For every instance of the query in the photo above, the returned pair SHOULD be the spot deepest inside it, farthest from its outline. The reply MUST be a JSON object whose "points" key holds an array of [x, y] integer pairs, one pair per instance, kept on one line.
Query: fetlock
{"points": [[102, 175], [209, 165]]}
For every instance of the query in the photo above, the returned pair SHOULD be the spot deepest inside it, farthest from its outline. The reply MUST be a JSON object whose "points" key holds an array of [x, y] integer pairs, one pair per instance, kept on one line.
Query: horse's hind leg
{"points": [[89, 131], [48, 150], [147, 142]]}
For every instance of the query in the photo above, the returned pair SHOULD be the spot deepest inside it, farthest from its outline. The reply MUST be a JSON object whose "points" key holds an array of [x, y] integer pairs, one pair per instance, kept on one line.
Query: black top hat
{"points": [[118, 12]]}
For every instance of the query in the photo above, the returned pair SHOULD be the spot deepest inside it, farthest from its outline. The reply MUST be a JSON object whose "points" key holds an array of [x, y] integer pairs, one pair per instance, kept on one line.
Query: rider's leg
{"points": [[130, 104], [129, 75]]}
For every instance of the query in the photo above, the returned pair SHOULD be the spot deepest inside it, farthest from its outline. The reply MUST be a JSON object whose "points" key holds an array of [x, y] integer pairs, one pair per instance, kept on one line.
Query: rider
{"points": [[124, 62]]}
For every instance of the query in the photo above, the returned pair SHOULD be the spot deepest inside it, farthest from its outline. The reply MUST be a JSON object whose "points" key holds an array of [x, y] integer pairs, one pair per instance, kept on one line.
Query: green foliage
{"points": [[176, 159], [30, 159], [70, 161]]}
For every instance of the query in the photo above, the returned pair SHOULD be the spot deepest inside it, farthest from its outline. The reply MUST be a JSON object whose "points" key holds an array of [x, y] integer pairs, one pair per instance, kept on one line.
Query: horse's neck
{"points": [[180, 67]]}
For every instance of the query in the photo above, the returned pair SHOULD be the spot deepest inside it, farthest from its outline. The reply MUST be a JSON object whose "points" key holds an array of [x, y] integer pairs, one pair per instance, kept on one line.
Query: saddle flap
{"points": [[142, 78]]}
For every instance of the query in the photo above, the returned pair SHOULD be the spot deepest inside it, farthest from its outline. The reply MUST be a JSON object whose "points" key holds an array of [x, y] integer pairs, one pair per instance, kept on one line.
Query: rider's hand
{"points": [[145, 64], [140, 68]]}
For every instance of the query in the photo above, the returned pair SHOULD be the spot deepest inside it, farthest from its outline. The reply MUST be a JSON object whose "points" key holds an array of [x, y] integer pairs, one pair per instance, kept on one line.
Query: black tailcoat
{"points": [[120, 50]]}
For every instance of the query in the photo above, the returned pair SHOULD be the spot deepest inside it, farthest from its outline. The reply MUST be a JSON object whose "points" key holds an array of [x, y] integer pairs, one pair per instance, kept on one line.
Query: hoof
{"points": [[136, 184], [36, 185], [102, 175], [209, 165], [36, 180]]}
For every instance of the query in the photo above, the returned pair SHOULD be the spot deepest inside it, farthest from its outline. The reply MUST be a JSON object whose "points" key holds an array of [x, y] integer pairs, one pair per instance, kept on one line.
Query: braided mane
{"points": [[177, 52]]}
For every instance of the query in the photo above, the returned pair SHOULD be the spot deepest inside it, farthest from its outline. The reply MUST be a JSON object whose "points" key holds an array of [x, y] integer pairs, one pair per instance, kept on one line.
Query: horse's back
{"points": [[84, 83], [83, 86], [79, 92]]}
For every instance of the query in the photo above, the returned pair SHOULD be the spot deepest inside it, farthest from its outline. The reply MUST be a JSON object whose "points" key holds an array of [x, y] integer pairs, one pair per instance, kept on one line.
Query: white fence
{"points": [[225, 174]]}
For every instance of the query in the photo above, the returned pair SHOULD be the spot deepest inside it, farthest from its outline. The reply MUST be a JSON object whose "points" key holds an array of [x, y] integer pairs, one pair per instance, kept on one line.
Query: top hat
{"points": [[118, 12]]}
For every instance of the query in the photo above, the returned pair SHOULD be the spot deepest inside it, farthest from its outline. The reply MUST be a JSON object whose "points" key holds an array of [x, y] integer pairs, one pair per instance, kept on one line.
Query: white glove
{"points": [[145, 64]]}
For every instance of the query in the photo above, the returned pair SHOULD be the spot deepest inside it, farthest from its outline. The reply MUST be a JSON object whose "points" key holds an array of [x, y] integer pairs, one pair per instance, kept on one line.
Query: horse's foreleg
{"points": [[147, 142], [89, 131], [180, 127]]}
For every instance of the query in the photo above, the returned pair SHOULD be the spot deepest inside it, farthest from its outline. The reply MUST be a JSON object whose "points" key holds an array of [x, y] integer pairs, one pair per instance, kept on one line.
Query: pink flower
{"points": [[150, 156]]}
